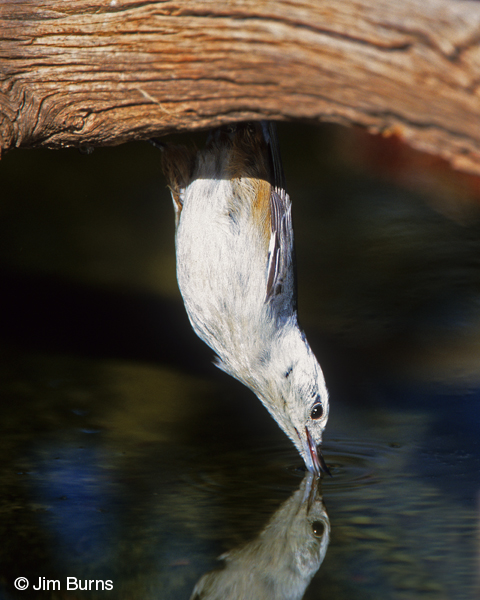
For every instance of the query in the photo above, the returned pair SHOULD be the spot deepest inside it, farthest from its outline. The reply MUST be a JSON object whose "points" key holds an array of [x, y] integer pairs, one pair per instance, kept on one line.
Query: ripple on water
{"points": [[352, 463]]}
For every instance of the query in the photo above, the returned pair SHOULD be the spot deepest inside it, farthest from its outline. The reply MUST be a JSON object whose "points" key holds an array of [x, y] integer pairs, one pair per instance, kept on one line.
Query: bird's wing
{"points": [[280, 268]]}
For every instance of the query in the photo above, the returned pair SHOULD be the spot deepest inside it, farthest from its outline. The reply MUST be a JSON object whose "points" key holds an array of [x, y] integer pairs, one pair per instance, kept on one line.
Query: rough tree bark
{"points": [[96, 72]]}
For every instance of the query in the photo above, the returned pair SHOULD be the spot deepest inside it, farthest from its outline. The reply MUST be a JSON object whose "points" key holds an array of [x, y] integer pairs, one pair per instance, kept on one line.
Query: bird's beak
{"points": [[316, 462]]}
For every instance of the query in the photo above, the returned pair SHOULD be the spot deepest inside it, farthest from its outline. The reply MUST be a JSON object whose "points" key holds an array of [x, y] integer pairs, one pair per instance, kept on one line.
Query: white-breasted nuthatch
{"points": [[281, 561], [235, 270]]}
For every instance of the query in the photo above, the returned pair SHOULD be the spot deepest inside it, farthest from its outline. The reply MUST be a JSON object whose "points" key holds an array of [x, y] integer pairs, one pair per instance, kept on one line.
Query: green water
{"points": [[127, 458]]}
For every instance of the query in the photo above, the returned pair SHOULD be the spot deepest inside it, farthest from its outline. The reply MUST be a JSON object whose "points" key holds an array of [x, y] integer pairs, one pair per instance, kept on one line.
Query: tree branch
{"points": [[90, 72]]}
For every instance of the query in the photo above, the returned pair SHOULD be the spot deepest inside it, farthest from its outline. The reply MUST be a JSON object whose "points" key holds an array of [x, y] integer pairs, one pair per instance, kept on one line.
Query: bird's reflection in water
{"points": [[281, 561]]}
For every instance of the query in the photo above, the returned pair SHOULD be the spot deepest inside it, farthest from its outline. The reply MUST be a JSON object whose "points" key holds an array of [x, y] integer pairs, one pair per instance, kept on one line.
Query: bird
{"points": [[282, 560], [235, 269]]}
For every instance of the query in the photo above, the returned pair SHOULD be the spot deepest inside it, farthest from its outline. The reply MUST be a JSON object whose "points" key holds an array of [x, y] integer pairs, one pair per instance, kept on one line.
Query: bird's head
{"points": [[292, 387]]}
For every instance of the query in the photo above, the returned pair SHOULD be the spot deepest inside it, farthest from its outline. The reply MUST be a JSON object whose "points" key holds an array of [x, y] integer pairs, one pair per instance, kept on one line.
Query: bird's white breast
{"points": [[221, 265]]}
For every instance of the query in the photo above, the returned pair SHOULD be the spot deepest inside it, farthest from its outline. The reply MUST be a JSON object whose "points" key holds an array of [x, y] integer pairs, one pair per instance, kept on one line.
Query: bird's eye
{"points": [[317, 411], [318, 528]]}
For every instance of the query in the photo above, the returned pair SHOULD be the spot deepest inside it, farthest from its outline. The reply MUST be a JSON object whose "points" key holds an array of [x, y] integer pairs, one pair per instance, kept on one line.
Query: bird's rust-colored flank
{"points": [[250, 170], [261, 208]]}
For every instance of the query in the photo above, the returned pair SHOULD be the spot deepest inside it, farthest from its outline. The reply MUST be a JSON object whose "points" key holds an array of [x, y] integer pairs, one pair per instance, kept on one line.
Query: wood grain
{"points": [[88, 73]]}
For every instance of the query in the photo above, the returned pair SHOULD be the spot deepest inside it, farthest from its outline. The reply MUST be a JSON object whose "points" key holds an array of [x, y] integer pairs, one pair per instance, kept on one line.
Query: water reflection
{"points": [[281, 561]]}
